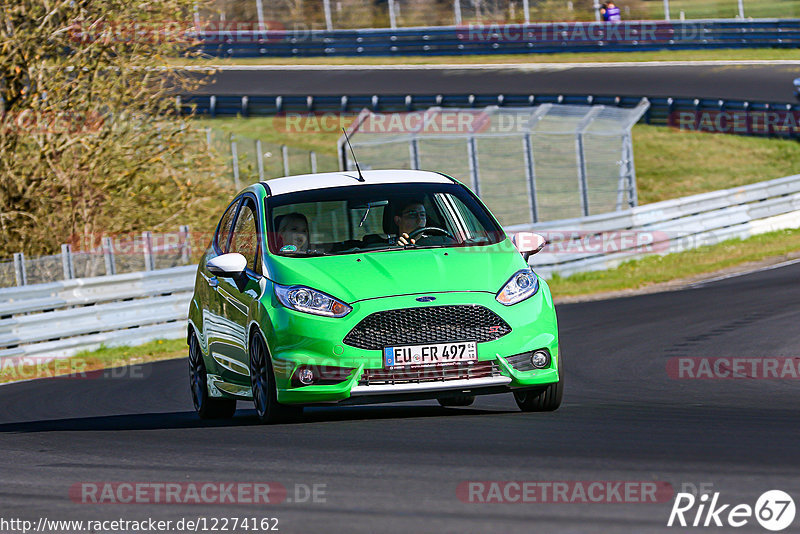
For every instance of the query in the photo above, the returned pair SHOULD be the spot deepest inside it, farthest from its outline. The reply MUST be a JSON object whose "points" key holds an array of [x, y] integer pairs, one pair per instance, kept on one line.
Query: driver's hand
{"points": [[404, 240]]}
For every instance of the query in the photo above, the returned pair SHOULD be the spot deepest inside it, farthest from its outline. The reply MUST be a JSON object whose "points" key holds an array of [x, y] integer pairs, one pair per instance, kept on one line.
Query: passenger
{"points": [[292, 230]]}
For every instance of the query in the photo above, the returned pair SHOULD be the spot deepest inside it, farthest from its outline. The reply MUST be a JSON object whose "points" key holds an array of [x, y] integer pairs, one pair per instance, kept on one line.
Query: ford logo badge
{"points": [[426, 299]]}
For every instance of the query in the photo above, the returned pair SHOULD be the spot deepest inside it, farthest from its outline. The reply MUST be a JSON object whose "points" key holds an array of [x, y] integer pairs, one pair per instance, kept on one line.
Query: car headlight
{"points": [[305, 299], [522, 285]]}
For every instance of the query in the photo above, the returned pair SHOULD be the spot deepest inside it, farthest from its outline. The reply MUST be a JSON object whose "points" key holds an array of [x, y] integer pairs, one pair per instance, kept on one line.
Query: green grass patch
{"points": [[651, 270], [748, 54], [103, 358]]}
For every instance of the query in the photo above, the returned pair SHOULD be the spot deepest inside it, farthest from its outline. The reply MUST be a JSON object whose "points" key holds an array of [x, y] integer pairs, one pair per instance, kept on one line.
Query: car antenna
{"points": [[360, 176]]}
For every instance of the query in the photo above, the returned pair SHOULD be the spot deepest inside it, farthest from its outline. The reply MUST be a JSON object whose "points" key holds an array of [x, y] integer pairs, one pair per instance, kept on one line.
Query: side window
{"points": [[245, 236], [224, 229]]}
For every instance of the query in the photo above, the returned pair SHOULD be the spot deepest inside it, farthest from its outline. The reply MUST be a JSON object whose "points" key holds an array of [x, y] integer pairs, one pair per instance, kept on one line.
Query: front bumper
{"points": [[299, 339]]}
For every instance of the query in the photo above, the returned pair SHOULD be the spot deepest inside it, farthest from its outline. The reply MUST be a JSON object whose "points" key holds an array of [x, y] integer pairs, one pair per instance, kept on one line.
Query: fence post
{"points": [[285, 156], [413, 151], [527, 11], [260, 11], [530, 174], [260, 159], [186, 244], [328, 21], [457, 11], [66, 262], [596, 7], [108, 256], [235, 161], [208, 139], [147, 247], [741, 9], [19, 269], [392, 21], [312, 156], [474, 171], [666, 9]]}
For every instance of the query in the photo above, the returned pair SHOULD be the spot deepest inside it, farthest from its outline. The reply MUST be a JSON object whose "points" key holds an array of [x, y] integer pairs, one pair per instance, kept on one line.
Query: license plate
{"points": [[430, 354]]}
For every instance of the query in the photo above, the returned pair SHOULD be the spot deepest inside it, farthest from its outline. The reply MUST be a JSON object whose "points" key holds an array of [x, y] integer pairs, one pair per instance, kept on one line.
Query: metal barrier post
{"points": [[147, 247], [260, 12], [581, 157], [666, 9], [474, 171], [66, 262], [285, 156], [235, 161], [186, 244], [530, 174], [260, 159], [328, 20], [312, 156], [741, 9], [19, 269], [526, 11], [457, 11], [108, 256], [392, 21], [413, 151]]}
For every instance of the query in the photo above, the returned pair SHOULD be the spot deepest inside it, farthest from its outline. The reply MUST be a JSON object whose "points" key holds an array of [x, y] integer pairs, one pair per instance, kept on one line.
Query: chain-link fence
{"points": [[528, 165], [112, 255], [301, 15], [251, 160]]}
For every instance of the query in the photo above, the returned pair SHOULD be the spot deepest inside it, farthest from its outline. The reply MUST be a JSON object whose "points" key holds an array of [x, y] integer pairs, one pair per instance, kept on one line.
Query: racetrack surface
{"points": [[758, 81], [395, 468]]}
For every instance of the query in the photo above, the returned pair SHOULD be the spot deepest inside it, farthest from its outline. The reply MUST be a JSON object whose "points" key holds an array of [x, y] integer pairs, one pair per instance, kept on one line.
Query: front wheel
{"points": [[545, 399], [206, 407], [262, 383]]}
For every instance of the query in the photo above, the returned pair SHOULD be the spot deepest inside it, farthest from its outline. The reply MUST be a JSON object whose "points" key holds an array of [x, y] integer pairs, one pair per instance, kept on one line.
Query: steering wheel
{"points": [[426, 229]]}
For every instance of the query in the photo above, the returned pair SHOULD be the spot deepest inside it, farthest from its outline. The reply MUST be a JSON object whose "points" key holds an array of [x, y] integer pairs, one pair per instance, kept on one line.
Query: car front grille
{"points": [[433, 324], [429, 373]]}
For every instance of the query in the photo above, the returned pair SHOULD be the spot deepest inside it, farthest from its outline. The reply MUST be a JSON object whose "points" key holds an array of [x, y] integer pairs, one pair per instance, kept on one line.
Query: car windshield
{"points": [[372, 218]]}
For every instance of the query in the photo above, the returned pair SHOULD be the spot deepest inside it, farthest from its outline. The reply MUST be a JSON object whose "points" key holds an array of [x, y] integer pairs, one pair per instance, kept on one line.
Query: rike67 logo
{"points": [[774, 510]]}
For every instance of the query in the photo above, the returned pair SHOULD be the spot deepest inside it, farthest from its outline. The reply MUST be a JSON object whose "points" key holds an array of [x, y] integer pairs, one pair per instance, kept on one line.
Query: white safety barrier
{"points": [[60, 319], [604, 241]]}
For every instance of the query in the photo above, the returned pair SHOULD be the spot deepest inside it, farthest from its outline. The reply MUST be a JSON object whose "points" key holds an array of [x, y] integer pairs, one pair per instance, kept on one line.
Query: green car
{"points": [[351, 288]]}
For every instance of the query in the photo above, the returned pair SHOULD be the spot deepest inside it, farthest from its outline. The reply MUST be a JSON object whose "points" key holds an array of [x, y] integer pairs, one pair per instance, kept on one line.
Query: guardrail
{"points": [[604, 241], [663, 111], [548, 38], [62, 318]]}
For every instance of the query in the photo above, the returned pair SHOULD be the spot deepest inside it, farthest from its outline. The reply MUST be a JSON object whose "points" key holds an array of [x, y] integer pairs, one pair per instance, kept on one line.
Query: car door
{"points": [[237, 295], [219, 330]]}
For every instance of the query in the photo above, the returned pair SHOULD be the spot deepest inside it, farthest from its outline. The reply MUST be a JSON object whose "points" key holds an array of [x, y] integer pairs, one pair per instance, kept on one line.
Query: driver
{"points": [[411, 217]]}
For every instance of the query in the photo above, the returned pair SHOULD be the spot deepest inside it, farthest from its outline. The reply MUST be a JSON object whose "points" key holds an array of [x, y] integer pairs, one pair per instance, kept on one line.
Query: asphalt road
{"points": [[396, 468], [771, 83]]}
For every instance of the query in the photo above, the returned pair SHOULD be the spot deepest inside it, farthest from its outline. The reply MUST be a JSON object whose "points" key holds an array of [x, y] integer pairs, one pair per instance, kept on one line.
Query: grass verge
{"points": [[87, 364], [747, 54], [639, 274]]}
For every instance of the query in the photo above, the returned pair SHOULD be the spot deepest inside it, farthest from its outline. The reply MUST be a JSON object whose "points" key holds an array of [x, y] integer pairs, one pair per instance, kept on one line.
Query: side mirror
{"points": [[528, 243], [230, 265]]}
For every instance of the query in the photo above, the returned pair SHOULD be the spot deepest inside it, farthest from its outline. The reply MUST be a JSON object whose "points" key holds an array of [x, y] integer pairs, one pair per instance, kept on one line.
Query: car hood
{"points": [[354, 277]]}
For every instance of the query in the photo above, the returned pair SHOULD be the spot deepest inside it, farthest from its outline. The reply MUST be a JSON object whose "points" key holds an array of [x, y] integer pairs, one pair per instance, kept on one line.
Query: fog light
{"points": [[305, 376], [540, 359]]}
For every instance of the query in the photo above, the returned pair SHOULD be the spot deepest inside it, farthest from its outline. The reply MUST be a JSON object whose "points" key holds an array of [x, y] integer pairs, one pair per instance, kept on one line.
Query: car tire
{"points": [[207, 407], [457, 400], [262, 383], [545, 399]]}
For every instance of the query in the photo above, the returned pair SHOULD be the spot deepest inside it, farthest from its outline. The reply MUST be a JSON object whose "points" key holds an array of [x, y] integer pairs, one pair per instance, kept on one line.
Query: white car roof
{"points": [[307, 182]]}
